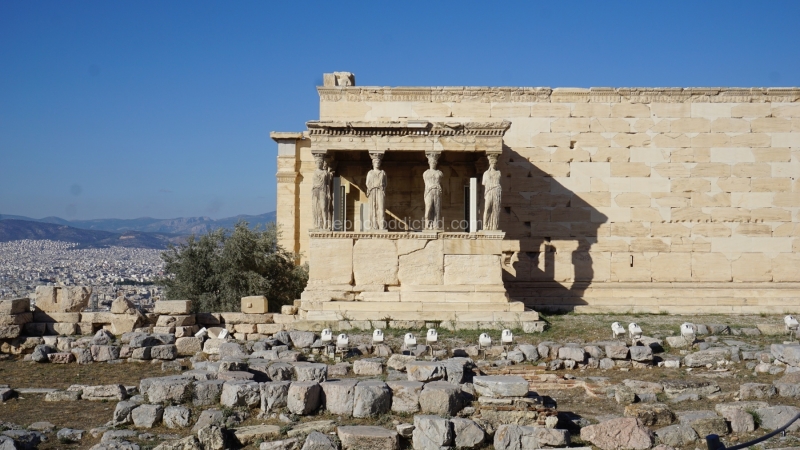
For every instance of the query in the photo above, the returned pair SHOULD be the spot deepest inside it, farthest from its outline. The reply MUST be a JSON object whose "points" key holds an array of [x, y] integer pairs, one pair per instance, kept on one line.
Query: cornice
{"points": [[558, 95]]}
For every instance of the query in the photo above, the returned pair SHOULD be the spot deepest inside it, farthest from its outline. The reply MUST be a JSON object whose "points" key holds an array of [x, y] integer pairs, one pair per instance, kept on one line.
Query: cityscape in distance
{"points": [[113, 256]]}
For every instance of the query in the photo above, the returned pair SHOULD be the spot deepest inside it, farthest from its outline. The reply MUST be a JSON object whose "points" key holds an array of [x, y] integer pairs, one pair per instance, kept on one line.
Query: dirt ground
{"points": [[29, 408]]}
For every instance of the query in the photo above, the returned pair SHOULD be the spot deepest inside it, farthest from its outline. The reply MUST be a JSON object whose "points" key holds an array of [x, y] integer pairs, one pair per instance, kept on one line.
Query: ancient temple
{"points": [[483, 204]]}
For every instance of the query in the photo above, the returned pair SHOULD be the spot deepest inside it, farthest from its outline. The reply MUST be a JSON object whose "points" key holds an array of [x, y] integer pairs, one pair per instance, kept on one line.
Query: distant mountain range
{"points": [[144, 232], [182, 226]]}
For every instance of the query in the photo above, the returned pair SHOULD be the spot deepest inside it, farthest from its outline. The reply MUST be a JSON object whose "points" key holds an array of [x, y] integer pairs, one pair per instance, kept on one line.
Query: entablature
{"points": [[407, 135]]}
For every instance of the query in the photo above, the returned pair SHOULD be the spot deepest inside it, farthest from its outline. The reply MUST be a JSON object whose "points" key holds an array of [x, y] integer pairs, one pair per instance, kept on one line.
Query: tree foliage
{"points": [[217, 269]]}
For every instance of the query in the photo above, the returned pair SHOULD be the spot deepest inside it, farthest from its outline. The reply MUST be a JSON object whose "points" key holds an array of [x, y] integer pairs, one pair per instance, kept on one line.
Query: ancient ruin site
{"points": [[489, 268]]}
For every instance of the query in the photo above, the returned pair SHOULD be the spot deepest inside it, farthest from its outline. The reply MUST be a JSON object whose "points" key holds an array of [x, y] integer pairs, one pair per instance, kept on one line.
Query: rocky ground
{"points": [[570, 386]]}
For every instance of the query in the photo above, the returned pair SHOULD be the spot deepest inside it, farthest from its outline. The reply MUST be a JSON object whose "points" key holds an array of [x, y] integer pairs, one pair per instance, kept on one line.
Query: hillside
{"points": [[178, 226], [13, 230]]}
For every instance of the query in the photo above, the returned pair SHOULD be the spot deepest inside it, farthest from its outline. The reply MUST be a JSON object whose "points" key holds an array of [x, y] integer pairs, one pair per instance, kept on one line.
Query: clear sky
{"points": [[163, 108]]}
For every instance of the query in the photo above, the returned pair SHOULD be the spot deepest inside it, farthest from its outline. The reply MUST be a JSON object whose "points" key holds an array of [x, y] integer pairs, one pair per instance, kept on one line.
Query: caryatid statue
{"points": [[376, 194], [320, 194], [491, 194], [329, 197], [433, 193]]}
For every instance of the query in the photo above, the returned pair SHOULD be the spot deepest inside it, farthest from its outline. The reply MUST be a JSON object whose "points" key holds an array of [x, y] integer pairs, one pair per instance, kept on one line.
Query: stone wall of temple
{"points": [[627, 198]]}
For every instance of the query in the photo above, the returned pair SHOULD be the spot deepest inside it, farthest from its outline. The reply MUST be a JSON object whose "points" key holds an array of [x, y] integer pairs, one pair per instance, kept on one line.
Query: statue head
{"points": [[433, 158], [319, 160], [492, 160], [376, 160]]}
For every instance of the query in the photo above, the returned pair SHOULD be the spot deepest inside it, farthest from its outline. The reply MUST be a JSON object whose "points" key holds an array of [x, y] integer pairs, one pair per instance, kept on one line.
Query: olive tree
{"points": [[216, 269]]}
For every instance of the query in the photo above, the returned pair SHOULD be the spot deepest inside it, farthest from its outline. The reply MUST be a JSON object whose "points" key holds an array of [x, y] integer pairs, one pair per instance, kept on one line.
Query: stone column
{"points": [[287, 214]]}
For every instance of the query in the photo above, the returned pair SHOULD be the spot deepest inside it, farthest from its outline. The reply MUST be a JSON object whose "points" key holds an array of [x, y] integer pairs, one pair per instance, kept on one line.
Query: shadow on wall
{"points": [[555, 228]]}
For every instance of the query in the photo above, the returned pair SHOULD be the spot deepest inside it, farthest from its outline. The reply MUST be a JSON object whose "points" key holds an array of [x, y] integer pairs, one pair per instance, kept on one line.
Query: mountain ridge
{"points": [[179, 226]]}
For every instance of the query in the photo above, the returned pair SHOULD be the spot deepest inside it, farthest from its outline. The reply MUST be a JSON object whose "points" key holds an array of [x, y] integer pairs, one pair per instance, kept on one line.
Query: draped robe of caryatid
{"points": [[433, 198], [320, 198], [491, 198], [376, 193]]}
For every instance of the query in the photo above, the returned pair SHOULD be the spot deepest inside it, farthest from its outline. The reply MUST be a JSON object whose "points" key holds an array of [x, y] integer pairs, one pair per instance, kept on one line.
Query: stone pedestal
{"points": [[408, 276]]}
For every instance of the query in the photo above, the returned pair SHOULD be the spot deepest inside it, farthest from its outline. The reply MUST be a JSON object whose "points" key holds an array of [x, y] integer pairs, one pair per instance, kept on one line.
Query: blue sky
{"points": [[163, 109]]}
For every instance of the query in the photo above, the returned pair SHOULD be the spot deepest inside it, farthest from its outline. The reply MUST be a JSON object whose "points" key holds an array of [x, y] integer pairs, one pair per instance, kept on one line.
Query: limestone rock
{"points": [[174, 389], [367, 438], [188, 346], [104, 392], [677, 435], [122, 305], [432, 432], [302, 339], [339, 396], [68, 435], [207, 392], [319, 441], [248, 435], [425, 371], [311, 371], [703, 357], [441, 398], [177, 416], [740, 420], [530, 351], [405, 396], [749, 391], [399, 362], [147, 416], [789, 354], [500, 386], [240, 393], [274, 395], [283, 444], [187, 443], [303, 397], [122, 412], [623, 433], [651, 414], [371, 398], [468, 434], [368, 367], [211, 437], [776, 416]]}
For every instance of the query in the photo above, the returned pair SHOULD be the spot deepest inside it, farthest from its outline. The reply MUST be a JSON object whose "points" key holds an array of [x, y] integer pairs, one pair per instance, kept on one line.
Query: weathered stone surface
{"points": [[500, 386], [310, 371], [122, 412], [9, 331], [515, 437], [339, 396], [677, 435], [617, 351], [367, 438], [177, 416], [788, 385], [368, 367], [15, 306], [398, 361], [62, 299], [749, 391], [113, 392], [147, 416], [441, 398], [303, 397], [274, 395], [789, 354], [641, 353], [740, 420], [530, 351], [319, 441], [240, 393], [425, 371], [651, 414], [776, 416], [710, 425], [704, 357], [188, 346], [174, 389], [405, 396], [68, 435], [164, 352], [283, 444], [248, 435], [468, 434], [644, 387], [375, 262], [622, 433], [207, 392], [211, 437], [63, 396], [432, 432], [187, 443], [101, 353], [303, 428], [302, 339], [280, 371], [371, 398], [173, 307], [680, 387], [573, 353]]}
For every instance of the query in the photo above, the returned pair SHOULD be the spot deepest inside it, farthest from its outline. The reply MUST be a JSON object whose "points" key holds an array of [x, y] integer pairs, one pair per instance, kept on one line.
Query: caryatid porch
{"points": [[408, 266]]}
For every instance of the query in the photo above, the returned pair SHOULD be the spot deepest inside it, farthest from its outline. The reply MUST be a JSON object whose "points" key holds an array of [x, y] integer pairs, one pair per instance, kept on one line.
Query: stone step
{"points": [[390, 307]]}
